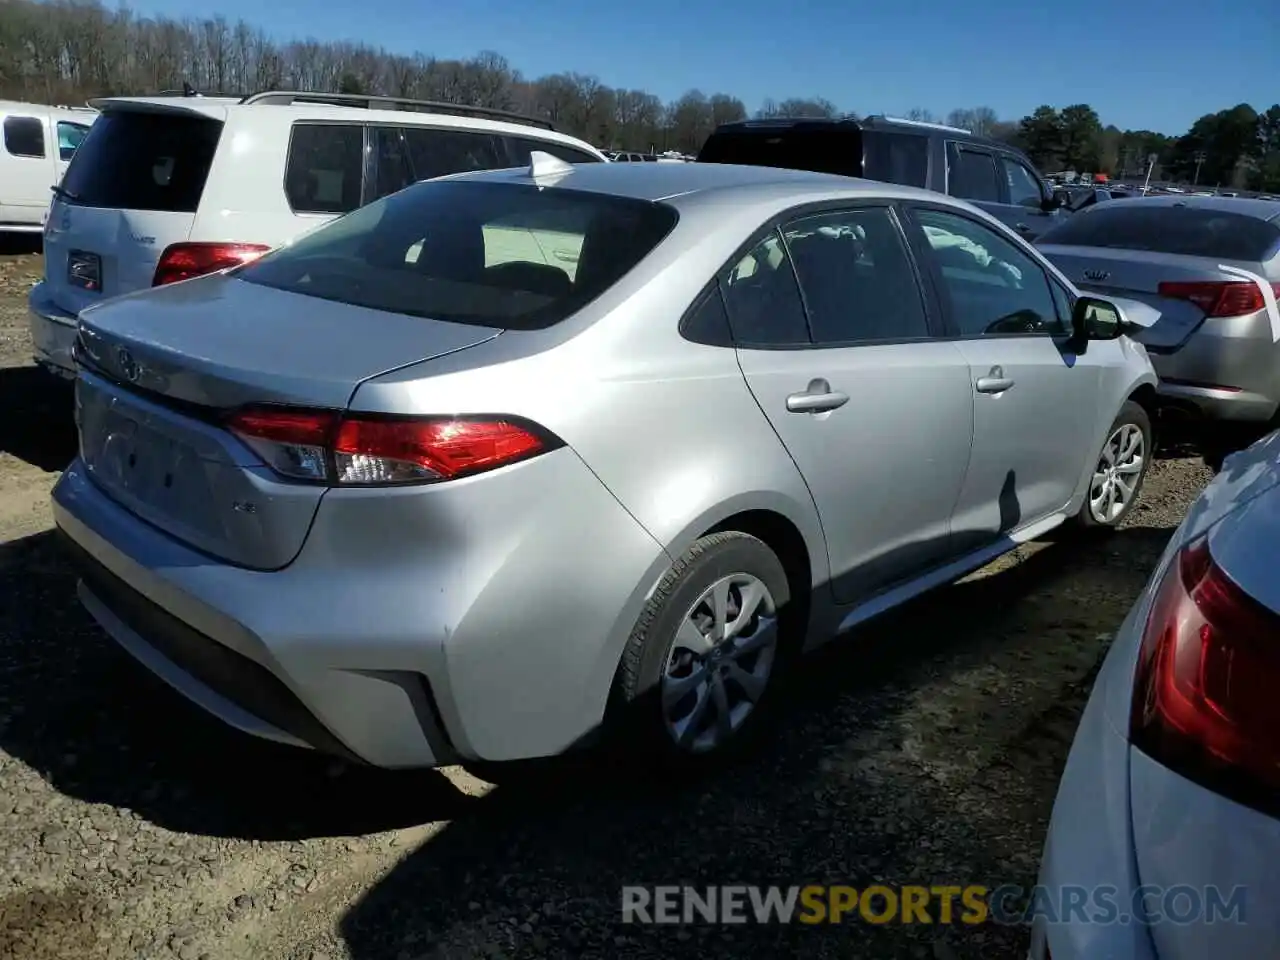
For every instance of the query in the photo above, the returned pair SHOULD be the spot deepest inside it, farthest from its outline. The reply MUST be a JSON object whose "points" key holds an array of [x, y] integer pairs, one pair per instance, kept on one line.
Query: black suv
{"points": [[989, 174]]}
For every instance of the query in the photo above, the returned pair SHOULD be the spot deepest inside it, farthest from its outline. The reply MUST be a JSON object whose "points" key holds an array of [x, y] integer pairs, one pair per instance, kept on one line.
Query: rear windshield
{"points": [[875, 154], [143, 161], [497, 254], [1160, 228]]}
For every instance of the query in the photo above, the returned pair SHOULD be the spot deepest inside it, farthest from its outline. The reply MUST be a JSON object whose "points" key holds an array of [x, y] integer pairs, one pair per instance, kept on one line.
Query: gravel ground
{"points": [[924, 750]]}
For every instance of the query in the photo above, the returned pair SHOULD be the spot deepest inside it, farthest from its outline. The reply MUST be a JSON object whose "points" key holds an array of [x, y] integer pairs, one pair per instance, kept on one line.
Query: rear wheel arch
{"points": [[781, 536]]}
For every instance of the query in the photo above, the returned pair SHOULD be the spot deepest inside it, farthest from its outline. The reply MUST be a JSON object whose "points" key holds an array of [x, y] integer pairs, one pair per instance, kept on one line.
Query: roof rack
{"points": [[284, 98], [927, 124]]}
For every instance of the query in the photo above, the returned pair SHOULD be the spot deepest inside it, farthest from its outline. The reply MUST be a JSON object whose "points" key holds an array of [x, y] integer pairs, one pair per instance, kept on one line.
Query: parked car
{"points": [[1207, 271], [992, 175], [171, 187], [38, 142], [1172, 781], [504, 459]]}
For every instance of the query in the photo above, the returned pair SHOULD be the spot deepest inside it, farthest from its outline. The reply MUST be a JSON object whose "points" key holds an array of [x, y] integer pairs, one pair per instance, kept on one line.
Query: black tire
{"points": [[636, 717], [1130, 413]]}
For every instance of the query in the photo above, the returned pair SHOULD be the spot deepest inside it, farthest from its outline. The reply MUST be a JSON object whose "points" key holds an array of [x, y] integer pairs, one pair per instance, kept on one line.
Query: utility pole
{"points": [[1199, 158], [1151, 165]]}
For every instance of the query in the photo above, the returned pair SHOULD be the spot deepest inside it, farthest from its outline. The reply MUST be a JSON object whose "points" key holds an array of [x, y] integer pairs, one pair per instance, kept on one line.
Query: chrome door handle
{"points": [[818, 397], [1022, 228], [994, 382]]}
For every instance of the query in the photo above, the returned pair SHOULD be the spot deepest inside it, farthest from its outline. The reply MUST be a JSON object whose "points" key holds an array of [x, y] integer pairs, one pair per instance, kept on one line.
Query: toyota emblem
{"points": [[130, 367]]}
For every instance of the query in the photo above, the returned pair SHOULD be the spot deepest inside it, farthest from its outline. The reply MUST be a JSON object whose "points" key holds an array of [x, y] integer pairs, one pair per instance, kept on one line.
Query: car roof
{"points": [[221, 108], [872, 122], [1246, 206], [691, 182]]}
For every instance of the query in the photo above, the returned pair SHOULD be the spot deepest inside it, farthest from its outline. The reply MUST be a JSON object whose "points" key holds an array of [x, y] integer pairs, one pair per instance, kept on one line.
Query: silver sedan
{"points": [[509, 459]]}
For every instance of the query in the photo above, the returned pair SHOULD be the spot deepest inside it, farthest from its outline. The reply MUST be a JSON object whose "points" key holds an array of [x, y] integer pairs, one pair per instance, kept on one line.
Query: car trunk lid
{"points": [[1132, 278], [161, 371]]}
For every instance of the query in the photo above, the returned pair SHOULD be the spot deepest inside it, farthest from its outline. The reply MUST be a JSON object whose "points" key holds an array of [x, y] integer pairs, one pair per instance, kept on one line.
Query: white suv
{"points": [[170, 187], [36, 143]]}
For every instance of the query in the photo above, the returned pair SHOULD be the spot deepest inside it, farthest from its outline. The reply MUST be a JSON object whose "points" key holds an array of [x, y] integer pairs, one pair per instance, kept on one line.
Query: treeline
{"points": [[66, 51]]}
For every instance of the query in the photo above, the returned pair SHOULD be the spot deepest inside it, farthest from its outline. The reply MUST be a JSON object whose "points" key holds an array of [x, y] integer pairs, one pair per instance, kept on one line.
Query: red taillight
{"points": [[1218, 298], [182, 261], [373, 451], [1205, 701]]}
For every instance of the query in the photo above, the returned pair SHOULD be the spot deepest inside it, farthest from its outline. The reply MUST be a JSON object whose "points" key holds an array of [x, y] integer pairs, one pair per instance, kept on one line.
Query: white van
{"points": [[166, 188], [36, 144]]}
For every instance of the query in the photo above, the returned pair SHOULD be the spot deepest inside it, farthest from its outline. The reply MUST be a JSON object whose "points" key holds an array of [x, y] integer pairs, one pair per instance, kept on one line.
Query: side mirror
{"points": [[1059, 199], [1096, 319]]}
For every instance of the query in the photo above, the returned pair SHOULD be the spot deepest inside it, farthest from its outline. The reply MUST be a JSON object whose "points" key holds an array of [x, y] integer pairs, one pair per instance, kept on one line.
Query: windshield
{"points": [[497, 254], [1161, 228]]}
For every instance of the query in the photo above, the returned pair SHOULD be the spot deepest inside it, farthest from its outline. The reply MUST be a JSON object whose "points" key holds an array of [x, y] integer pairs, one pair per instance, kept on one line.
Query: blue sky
{"points": [[1157, 64]]}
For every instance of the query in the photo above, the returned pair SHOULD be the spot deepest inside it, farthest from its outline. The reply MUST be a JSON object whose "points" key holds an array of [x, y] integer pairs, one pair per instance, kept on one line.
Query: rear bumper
{"points": [[381, 646], [1228, 370], [53, 333]]}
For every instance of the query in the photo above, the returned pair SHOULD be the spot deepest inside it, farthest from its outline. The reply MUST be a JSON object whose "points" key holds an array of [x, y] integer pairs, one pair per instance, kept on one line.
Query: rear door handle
{"points": [[817, 398], [993, 382], [1022, 228]]}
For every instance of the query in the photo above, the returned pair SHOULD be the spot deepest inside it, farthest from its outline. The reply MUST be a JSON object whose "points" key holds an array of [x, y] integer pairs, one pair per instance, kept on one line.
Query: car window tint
{"points": [[70, 136], [708, 322], [519, 148], [895, 157], [392, 169], [1024, 187], [1166, 228], [325, 169], [762, 297], [992, 286], [24, 137], [856, 277], [504, 255], [143, 161], [440, 151], [973, 177]]}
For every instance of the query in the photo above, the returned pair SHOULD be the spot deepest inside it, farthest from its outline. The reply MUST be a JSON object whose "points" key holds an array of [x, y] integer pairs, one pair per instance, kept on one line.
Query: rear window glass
{"points": [[502, 255], [825, 149], [143, 161], [24, 136], [1161, 228]]}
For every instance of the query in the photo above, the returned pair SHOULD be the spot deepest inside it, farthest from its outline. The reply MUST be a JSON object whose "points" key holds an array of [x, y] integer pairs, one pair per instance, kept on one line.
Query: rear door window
{"points": [[895, 157], [440, 151], [858, 282], [1165, 228], [973, 176], [763, 299], [143, 161], [24, 137], [519, 148], [325, 169], [504, 255]]}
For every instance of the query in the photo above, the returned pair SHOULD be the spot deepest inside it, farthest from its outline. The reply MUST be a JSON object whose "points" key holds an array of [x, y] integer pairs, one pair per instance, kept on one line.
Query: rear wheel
{"points": [[1119, 471], [699, 673]]}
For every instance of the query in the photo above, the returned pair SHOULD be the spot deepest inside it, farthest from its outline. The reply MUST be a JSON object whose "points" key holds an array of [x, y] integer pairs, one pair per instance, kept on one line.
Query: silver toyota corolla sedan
{"points": [[505, 460], [1207, 271]]}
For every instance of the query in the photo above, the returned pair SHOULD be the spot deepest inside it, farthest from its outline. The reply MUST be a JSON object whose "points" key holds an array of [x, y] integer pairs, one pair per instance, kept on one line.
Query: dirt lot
{"points": [[924, 750]]}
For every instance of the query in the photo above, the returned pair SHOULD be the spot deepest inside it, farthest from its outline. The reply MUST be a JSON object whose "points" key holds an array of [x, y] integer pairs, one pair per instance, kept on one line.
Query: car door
{"points": [[1026, 198], [1034, 399], [838, 344], [27, 173], [972, 175]]}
